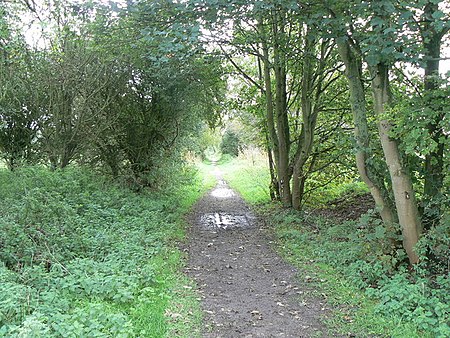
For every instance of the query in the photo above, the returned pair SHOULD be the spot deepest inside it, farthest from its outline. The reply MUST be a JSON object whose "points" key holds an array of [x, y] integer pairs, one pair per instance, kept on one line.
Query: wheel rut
{"points": [[247, 290]]}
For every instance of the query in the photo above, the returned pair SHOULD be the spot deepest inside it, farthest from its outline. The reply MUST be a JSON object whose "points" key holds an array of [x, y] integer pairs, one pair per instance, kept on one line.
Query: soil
{"points": [[346, 208], [247, 290]]}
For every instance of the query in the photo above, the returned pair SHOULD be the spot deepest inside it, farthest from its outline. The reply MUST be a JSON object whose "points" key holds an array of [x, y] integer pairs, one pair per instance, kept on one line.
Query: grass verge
{"points": [[82, 257]]}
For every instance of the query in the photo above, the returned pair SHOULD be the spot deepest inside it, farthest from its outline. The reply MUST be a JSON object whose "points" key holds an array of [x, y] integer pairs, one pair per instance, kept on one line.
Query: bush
{"points": [[231, 144]]}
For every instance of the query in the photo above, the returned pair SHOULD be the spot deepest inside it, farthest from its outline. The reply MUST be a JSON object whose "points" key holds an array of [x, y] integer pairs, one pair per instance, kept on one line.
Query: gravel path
{"points": [[247, 290]]}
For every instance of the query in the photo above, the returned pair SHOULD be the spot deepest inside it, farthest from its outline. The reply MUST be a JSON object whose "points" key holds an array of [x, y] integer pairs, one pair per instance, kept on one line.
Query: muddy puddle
{"points": [[225, 221]]}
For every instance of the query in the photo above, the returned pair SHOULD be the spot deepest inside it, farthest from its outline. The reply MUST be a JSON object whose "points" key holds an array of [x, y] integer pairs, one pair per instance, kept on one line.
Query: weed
{"points": [[83, 257]]}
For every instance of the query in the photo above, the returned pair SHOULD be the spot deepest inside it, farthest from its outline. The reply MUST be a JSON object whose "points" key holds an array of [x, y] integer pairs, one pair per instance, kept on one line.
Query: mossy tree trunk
{"points": [[405, 201], [353, 72]]}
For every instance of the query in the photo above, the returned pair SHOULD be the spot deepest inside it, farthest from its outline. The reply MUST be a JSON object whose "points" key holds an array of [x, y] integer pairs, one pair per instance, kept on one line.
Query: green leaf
{"points": [[380, 232], [438, 15], [377, 21]]}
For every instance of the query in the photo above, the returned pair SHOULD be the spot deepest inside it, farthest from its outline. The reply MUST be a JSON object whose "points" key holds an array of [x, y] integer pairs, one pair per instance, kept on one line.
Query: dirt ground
{"points": [[349, 207], [247, 290]]}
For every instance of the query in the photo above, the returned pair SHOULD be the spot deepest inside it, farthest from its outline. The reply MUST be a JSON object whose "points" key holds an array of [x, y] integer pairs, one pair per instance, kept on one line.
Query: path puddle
{"points": [[228, 200], [222, 192], [225, 221]]}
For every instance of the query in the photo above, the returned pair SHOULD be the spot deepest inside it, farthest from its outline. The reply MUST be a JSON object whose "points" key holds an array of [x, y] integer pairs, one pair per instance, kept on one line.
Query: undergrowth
{"points": [[82, 257], [354, 266]]}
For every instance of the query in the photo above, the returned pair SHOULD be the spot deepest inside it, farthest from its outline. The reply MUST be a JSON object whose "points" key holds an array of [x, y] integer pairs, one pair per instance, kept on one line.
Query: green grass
{"points": [[342, 261], [171, 307], [83, 257], [250, 179]]}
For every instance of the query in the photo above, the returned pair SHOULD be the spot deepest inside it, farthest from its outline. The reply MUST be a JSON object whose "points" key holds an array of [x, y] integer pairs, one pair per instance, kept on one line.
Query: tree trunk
{"points": [[434, 161], [273, 137], [273, 188], [309, 119], [405, 201], [298, 189], [276, 111], [353, 67], [282, 123], [270, 133]]}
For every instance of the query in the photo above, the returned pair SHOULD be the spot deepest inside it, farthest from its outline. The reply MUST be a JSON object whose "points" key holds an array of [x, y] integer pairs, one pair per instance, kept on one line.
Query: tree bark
{"points": [[405, 201], [282, 123], [270, 133], [269, 100], [276, 109], [309, 119], [353, 66], [273, 187], [434, 161]]}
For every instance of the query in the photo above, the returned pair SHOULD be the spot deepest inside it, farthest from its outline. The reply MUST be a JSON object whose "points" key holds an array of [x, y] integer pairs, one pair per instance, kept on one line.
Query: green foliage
{"points": [[105, 88], [361, 254], [412, 128], [434, 249], [417, 302], [421, 122], [17, 129], [231, 143], [83, 257], [225, 158]]}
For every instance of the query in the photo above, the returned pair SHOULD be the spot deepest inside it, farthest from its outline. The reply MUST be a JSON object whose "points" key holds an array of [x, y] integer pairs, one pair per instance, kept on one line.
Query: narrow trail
{"points": [[247, 290]]}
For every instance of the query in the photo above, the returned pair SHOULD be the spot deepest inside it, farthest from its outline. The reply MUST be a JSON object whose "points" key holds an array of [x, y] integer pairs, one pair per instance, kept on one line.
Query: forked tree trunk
{"points": [[405, 201], [281, 113], [353, 67]]}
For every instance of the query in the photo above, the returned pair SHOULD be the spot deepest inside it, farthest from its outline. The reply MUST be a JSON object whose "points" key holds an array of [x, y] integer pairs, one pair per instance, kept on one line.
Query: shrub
{"points": [[231, 144]]}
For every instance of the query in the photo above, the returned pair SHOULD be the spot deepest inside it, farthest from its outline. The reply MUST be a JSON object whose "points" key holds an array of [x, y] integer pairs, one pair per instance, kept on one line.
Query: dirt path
{"points": [[247, 289]]}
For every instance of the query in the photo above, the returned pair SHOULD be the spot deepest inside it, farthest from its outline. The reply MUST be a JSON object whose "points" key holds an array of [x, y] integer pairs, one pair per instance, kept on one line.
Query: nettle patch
{"points": [[80, 257]]}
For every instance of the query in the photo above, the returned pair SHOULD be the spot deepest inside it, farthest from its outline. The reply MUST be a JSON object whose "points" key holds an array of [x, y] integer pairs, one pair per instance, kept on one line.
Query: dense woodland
{"points": [[333, 92]]}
